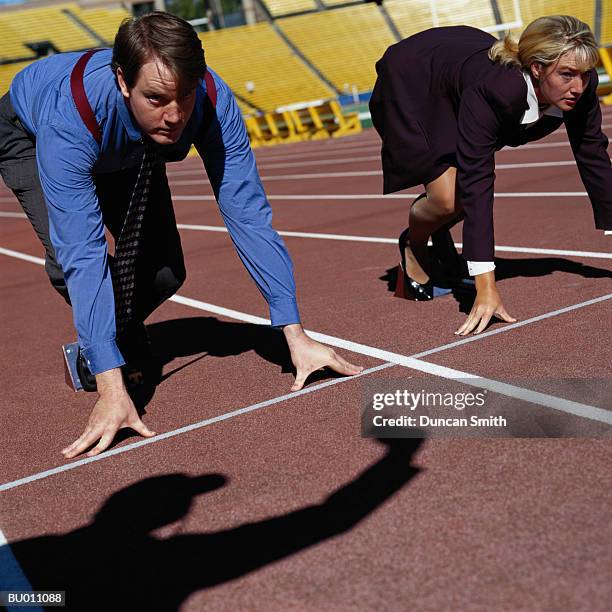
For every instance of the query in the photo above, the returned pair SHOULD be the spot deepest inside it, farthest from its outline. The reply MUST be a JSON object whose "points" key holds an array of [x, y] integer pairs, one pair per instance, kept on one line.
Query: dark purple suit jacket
{"points": [[439, 102]]}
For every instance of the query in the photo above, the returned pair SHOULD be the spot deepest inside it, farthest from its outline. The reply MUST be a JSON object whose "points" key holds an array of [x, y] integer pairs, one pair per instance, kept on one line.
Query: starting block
{"points": [[70, 353]]}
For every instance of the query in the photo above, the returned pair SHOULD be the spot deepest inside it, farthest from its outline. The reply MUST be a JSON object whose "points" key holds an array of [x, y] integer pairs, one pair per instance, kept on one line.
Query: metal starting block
{"points": [[70, 352]]}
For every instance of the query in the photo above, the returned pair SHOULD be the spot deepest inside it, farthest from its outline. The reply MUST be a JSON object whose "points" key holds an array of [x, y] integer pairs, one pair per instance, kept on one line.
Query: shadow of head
{"points": [[154, 502]]}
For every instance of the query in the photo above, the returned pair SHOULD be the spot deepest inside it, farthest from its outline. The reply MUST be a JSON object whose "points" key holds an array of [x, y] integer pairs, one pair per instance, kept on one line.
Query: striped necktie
{"points": [[126, 248]]}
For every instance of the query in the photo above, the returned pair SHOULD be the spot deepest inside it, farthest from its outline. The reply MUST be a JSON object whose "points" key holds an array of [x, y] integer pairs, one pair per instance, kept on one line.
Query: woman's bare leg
{"points": [[426, 216]]}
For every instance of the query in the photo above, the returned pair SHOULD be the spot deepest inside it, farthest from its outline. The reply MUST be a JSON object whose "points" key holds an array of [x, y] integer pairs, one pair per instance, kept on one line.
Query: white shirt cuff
{"points": [[480, 267]]}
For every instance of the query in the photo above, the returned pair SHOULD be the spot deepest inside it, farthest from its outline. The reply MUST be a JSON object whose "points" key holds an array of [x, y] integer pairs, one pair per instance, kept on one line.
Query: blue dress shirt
{"points": [[68, 158]]}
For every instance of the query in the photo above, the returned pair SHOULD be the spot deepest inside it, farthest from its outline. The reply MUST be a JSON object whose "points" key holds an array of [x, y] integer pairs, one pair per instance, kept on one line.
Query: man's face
{"points": [[159, 109], [562, 83]]}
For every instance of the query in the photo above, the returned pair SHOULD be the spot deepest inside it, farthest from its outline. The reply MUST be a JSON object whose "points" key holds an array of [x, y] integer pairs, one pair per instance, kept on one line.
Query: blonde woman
{"points": [[446, 100]]}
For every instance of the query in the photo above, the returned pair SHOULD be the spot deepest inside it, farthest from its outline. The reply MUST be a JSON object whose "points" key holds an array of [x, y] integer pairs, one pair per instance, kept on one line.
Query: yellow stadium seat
{"points": [[261, 68], [335, 122], [308, 123], [286, 128], [7, 72], [606, 23], [531, 9], [416, 15], [335, 2], [605, 53], [286, 7], [11, 45], [344, 44], [48, 24], [104, 22]]}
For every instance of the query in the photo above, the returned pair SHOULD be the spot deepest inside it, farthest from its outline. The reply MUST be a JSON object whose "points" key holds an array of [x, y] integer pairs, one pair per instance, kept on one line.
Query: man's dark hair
{"points": [[162, 36]]}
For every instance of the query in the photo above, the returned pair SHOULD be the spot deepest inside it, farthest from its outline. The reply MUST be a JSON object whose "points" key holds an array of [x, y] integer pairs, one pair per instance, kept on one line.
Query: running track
{"points": [[253, 498]]}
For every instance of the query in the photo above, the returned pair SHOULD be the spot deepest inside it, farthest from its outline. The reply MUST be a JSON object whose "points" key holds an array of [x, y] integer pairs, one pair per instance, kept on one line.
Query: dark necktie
{"points": [[126, 248]]}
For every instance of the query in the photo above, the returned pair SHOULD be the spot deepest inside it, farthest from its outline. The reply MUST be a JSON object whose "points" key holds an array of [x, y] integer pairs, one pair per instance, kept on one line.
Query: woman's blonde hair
{"points": [[545, 40]]}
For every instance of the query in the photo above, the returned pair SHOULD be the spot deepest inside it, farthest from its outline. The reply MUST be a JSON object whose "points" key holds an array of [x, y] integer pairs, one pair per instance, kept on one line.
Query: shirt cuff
{"points": [[102, 357], [284, 313], [480, 267]]}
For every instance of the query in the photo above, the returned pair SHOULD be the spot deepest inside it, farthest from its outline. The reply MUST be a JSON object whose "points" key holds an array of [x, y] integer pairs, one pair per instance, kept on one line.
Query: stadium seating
{"points": [[7, 72], [335, 2], [315, 122], [606, 24], [260, 67], [531, 9], [415, 16], [104, 22], [11, 45], [344, 44], [605, 54], [48, 24], [278, 8]]}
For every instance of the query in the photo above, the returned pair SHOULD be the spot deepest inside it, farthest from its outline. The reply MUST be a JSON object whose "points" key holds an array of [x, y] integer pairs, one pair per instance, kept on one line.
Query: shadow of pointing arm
{"points": [[251, 546]]}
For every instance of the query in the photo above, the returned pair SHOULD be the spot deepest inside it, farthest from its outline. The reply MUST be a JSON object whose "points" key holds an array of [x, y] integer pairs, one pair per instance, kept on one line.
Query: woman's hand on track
{"points": [[488, 303]]}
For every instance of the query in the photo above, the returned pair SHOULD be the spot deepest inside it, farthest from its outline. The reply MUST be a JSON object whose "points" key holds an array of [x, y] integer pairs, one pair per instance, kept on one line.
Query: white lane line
{"points": [[576, 408], [375, 239], [187, 428], [264, 162], [390, 358], [510, 326], [346, 145], [318, 162], [12, 577], [538, 145], [322, 175], [290, 177], [325, 175], [569, 162], [18, 255], [390, 196], [14, 215], [312, 146], [369, 196]]}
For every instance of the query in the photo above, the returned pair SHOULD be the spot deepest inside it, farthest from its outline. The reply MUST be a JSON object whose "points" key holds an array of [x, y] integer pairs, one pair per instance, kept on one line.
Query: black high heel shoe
{"points": [[407, 288]]}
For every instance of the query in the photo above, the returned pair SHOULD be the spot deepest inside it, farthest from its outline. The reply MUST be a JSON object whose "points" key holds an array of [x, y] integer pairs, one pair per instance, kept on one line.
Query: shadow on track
{"points": [[202, 337], [116, 562], [513, 268]]}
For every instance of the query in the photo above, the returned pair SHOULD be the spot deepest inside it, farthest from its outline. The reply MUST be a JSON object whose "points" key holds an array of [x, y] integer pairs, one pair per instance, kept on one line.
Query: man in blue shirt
{"points": [[75, 173]]}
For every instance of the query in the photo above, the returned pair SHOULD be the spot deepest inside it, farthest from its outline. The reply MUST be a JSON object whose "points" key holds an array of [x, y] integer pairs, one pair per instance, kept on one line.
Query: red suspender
{"points": [[211, 89], [82, 103], [80, 97]]}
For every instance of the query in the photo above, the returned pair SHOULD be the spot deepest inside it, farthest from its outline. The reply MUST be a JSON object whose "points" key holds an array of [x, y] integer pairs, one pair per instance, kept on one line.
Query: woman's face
{"points": [[560, 84]]}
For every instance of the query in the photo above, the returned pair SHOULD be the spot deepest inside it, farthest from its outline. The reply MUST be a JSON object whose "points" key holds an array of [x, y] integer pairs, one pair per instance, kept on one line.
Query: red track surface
{"points": [[296, 510]]}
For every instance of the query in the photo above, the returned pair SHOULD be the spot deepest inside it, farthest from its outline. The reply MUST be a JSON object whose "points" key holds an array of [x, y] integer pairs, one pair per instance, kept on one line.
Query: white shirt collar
{"points": [[533, 113]]}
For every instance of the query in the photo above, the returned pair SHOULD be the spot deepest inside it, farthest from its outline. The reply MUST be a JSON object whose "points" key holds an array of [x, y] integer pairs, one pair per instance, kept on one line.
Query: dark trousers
{"points": [[160, 269]]}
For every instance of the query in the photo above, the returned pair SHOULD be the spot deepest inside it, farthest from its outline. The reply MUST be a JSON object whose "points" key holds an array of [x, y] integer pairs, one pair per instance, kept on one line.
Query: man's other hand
{"points": [[308, 356], [113, 411]]}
